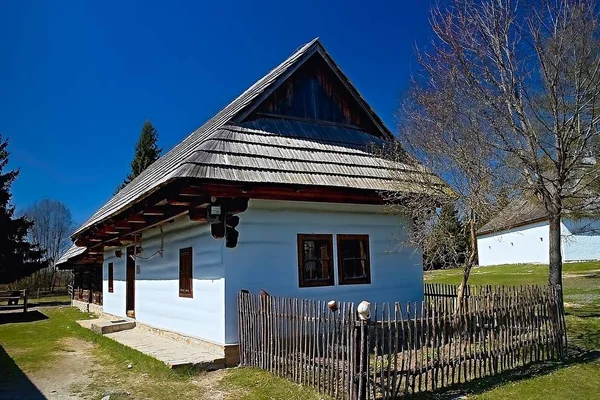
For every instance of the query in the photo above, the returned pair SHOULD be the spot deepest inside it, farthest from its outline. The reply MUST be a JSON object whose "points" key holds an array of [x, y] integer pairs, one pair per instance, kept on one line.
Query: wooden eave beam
{"points": [[317, 194], [136, 219], [122, 226], [153, 211], [111, 230], [198, 214], [179, 201], [192, 191]]}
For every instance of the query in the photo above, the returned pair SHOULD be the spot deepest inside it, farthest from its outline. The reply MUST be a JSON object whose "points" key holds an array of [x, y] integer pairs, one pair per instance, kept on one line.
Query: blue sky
{"points": [[78, 78]]}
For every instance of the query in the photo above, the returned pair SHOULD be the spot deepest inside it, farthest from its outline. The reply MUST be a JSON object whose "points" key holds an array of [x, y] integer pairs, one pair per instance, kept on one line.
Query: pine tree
{"points": [[447, 243], [18, 257], [146, 152]]}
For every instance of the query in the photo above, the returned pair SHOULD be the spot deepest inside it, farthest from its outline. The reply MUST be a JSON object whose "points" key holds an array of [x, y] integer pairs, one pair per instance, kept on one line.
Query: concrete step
{"points": [[105, 326]]}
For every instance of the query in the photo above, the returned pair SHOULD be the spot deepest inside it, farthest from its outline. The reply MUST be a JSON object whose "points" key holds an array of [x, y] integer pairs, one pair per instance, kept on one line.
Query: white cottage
{"points": [[519, 234], [278, 191]]}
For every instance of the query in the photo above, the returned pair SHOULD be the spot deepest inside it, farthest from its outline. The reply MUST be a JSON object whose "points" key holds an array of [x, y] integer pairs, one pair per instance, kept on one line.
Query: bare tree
{"points": [[52, 227], [513, 88]]}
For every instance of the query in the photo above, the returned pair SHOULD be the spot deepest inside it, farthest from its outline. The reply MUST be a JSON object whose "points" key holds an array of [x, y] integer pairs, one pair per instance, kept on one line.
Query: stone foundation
{"points": [[230, 352], [87, 307]]}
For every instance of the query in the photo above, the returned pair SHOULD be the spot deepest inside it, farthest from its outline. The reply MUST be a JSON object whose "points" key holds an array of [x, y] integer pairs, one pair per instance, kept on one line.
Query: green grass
{"points": [[579, 376], [256, 384], [34, 345]]}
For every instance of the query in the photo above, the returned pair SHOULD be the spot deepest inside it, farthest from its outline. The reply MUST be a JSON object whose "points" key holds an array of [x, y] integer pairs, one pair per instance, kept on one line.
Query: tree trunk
{"points": [[469, 264], [555, 256]]}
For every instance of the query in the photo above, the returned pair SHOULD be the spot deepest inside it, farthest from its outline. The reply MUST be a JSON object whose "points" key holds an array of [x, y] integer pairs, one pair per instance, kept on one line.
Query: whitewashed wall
{"points": [[114, 303], [524, 244], [157, 301], [267, 256], [581, 239]]}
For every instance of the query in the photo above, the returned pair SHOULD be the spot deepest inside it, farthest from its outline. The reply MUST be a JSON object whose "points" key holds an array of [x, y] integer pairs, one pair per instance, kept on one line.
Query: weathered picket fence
{"points": [[402, 349]]}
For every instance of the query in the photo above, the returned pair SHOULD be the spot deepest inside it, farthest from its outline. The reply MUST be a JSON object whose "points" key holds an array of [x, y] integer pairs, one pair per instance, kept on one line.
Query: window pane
{"points": [[353, 259], [315, 260], [185, 272]]}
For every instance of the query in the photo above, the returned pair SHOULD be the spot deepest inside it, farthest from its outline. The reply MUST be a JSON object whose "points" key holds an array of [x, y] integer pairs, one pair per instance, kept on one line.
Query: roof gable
{"points": [[315, 73], [314, 92], [208, 152]]}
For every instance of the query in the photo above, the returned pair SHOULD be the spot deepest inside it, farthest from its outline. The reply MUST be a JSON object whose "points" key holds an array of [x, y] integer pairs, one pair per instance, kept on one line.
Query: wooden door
{"points": [[130, 298]]}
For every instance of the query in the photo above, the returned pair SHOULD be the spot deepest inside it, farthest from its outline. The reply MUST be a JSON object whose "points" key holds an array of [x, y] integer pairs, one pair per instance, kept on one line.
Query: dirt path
{"points": [[209, 382], [61, 379]]}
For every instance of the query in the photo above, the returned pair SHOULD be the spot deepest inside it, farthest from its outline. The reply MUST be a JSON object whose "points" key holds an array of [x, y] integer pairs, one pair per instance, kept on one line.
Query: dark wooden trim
{"points": [[301, 238], [340, 264], [130, 282], [193, 193], [182, 252], [111, 277]]}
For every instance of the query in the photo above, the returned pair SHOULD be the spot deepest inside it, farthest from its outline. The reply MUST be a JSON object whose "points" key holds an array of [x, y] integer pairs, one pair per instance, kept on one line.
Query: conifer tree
{"points": [[18, 257], [447, 245], [146, 152]]}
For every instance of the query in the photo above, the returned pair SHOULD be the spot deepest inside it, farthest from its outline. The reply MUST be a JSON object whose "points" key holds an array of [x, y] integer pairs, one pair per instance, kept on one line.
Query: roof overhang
{"points": [[77, 256], [192, 196]]}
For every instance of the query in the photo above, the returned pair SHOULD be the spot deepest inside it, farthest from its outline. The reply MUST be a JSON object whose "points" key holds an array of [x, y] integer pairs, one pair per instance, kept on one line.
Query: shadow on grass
{"points": [[49, 303], [481, 385], [14, 384], [584, 312], [16, 317]]}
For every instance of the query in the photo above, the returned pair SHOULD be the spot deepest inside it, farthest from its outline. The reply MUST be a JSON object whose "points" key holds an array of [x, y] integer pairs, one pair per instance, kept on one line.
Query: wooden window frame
{"points": [[340, 264], [182, 292], [111, 277], [301, 282]]}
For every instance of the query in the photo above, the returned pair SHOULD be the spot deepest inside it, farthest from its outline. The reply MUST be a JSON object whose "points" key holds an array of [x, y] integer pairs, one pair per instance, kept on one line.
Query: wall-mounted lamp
{"points": [[364, 310], [118, 253]]}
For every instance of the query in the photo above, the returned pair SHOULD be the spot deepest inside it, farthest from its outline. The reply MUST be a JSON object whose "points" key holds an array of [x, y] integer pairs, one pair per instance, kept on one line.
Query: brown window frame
{"points": [[184, 292], [111, 277], [314, 283], [340, 264]]}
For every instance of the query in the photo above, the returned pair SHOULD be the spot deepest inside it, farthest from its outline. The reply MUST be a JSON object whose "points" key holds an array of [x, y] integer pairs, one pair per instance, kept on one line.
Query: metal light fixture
{"points": [[118, 253]]}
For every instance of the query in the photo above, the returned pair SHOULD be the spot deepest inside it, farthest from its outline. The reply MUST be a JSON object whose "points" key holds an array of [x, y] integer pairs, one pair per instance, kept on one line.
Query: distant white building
{"points": [[519, 234]]}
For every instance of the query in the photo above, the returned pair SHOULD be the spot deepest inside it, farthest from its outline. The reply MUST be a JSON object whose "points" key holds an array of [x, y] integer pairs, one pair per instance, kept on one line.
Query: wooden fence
{"points": [[402, 349]]}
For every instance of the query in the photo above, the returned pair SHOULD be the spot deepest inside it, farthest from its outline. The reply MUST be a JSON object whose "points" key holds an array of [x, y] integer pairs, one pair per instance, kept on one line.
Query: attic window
{"points": [[354, 264], [315, 260]]}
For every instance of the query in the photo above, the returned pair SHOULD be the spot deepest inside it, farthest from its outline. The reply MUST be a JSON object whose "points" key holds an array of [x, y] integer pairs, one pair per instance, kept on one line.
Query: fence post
{"points": [[361, 346], [361, 359]]}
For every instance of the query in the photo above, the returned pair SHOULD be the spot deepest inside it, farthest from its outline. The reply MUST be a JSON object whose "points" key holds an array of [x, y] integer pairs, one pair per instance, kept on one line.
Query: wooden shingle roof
{"points": [[519, 212], [232, 147], [70, 254]]}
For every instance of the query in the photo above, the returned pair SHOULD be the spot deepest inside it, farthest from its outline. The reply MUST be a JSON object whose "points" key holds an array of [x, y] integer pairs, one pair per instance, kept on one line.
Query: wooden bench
{"points": [[12, 300]]}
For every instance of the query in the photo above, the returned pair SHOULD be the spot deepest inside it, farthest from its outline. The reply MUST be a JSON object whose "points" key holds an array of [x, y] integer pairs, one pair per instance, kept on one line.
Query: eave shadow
{"points": [[14, 384], [17, 317]]}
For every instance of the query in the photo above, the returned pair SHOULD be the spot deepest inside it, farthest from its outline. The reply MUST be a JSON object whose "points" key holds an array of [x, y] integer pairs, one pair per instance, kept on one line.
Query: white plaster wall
{"points": [[157, 301], [267, 256], [524, 244], [581, 239], [114, 303]]}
